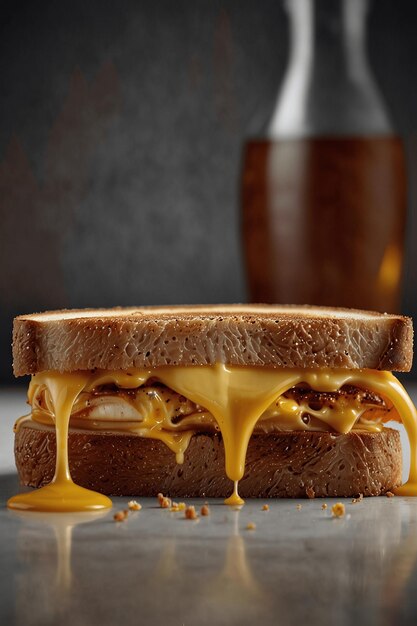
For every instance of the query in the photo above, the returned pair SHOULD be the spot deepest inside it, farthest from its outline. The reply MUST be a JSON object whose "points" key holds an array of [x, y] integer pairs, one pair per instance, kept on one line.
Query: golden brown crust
{"points": [[260, 335], [277, 465]]}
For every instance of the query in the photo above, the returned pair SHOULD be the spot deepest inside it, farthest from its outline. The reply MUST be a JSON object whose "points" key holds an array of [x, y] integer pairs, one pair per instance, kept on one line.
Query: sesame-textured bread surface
{"points": [[289, 465], [257, 335]]}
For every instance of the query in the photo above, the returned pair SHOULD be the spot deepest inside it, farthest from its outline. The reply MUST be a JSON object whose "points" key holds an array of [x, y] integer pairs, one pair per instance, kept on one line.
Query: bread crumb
{"points": [[299, 507], [174, 508], [160, 497], [310, 493], [324, 506], [205, 510], [134, 506], [265, 507], [181, 506], [338, 509], [358, 499], [165, 503], [251, 526], [120, 516], [190, 512], [389, 494]]}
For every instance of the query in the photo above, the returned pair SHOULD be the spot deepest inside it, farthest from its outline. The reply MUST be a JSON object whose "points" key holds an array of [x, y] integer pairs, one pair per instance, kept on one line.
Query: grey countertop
{"points": [[299, 566]]}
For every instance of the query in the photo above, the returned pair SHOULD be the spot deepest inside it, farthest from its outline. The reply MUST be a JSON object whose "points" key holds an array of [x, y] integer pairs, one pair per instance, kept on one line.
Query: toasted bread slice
{"points": [[257, 335], [290, 465]]}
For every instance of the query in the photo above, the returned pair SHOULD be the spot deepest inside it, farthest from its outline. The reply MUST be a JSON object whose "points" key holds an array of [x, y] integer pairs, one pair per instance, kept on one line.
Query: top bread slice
{"points": [[256, 335]]}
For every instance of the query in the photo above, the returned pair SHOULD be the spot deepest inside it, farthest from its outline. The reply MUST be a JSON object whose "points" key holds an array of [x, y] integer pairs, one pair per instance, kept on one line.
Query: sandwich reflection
{"points": [[401, 576], [217, 573], [44, 550], [58, 579], [236, 585], [158, 565]]}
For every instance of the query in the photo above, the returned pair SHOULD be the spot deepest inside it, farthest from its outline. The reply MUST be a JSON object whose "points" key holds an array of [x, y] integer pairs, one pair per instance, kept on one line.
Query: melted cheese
{"points": [[236, 396], [62, 494], [157, 412]]}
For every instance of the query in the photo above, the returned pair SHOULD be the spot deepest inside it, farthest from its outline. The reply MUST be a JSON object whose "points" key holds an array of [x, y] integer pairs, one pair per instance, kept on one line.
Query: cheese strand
{"points": [[62, 494]]}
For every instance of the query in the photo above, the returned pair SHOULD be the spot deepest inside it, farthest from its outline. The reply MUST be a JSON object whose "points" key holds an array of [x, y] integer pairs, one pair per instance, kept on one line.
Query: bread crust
{"points": [[256, 335], [277, 465]]}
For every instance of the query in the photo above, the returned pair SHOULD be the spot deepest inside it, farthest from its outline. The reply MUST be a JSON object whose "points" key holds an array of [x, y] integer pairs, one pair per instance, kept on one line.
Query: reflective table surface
{"points": [[298, 566]]}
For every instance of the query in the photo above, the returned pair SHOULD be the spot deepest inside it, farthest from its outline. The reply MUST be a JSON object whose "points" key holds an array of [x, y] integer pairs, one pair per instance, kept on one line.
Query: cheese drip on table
{"points": [[235, 396], [62, 494]]}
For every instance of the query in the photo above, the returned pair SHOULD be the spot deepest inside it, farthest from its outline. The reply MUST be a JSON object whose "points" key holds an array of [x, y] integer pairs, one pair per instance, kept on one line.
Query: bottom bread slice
{"points": [[277, 465]]}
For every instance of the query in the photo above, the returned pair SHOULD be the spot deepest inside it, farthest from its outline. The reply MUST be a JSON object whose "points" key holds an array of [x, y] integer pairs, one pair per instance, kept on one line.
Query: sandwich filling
{"points": [[156, 411], [173, 403]]}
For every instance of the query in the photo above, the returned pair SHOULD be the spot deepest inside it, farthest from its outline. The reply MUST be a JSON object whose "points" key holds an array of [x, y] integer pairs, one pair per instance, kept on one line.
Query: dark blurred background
{"points": [[121, 129]]}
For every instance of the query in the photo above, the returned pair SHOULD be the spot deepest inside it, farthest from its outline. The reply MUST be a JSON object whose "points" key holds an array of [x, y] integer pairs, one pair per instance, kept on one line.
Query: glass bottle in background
{"points": [[324, 193]]}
